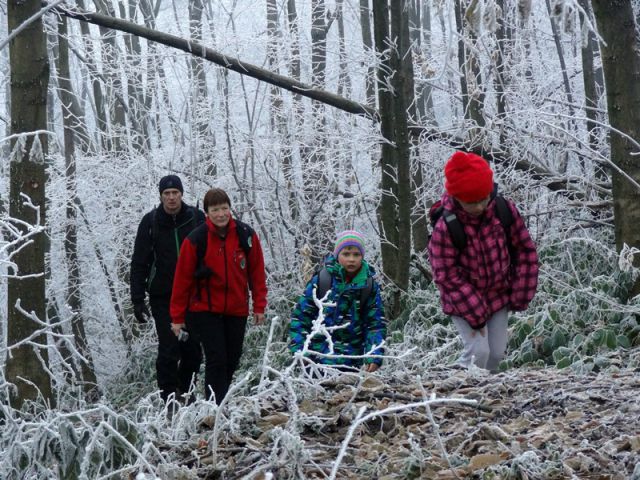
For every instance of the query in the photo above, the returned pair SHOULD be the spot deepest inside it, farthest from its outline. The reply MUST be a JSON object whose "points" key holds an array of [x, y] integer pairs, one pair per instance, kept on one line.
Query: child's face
{"points": [[475, 208], [350, 258]]}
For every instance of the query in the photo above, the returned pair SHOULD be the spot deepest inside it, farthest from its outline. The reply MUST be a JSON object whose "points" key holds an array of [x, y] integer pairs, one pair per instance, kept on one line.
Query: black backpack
{"points": [[199, 236], [324, 284], [456, 229]]}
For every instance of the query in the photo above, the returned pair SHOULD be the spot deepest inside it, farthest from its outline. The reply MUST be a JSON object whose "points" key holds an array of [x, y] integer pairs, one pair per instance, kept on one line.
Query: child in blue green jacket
{"points": [[356, 310]]}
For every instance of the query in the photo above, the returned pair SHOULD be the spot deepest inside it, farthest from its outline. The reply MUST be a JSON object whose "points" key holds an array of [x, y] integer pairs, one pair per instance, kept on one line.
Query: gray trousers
{"points": [[485, 352]]}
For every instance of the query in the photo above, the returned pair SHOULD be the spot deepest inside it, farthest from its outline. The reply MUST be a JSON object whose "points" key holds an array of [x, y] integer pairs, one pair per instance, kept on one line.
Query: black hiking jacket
{"points": [[153, 266]]}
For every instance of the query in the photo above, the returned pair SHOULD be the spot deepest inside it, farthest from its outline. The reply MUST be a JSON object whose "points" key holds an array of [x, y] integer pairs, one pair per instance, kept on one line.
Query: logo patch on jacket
{"points": [[243, 263]]}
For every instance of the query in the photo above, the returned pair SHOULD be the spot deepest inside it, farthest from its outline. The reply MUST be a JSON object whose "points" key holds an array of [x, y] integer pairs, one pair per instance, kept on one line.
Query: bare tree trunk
{"points": [[67, 98], [203, 139], [156, 82], [26, 365], [563, 64], [318, 43], [562, 167], [278, 116], [292, 17], [502, 42], [394, 211], [98, 94], [421, 111], [116, 139], [135, 82], [420, 22], [344, 81], [321, 224], [470, 79], [367, 40], [621, 62], [590, 89]]}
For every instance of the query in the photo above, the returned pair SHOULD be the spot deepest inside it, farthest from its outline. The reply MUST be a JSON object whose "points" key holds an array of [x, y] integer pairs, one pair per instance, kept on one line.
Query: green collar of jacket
{"points": [[338, 271]]}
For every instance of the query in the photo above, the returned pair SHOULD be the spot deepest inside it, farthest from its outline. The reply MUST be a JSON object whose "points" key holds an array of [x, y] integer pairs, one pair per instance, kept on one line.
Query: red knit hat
{"points": [[468, 177]]}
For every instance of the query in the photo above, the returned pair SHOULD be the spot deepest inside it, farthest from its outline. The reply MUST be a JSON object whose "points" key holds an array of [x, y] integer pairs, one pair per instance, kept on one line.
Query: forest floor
{"points": [[447, 423]]}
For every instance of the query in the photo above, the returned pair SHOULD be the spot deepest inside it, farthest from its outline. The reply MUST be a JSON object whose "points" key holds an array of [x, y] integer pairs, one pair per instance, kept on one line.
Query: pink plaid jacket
{"points": [[480, 280]]}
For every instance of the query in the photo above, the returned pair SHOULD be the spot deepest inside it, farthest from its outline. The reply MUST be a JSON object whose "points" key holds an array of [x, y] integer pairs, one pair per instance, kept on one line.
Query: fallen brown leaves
{"points": [[529, 424]]}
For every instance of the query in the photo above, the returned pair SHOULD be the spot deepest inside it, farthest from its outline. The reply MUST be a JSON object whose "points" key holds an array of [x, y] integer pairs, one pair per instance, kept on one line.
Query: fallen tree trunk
{"points": [[225, 61]]}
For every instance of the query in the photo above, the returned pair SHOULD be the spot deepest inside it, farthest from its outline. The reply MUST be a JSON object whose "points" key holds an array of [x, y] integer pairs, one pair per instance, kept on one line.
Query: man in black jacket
{"points": [[153, 265]]}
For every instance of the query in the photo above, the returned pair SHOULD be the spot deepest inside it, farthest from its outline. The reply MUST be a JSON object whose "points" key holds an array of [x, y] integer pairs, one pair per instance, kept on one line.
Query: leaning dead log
{"points": [[225, 61]]}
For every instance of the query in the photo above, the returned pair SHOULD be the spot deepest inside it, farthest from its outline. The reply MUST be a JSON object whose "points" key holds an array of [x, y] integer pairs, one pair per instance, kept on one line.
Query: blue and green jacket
{"points": [[364, 327]]}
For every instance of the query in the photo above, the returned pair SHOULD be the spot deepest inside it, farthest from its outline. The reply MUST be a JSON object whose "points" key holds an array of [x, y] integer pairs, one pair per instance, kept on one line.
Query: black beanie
{"points": [[170, 181]]}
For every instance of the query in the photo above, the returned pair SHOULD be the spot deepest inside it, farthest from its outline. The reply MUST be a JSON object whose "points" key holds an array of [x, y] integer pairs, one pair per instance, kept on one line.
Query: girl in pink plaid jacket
{"points": [[481, 283]]}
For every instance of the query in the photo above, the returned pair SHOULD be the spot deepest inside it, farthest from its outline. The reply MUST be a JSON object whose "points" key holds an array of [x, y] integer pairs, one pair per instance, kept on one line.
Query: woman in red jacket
{"points": [[219, 263]]}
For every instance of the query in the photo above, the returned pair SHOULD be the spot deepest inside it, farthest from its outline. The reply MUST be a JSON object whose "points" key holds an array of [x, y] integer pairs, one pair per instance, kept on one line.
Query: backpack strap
{"points": [[324, 282], [504, 212], [245, 236], [154, 232], [365, 293], [199, 236], [195, 218], [505, 215], [456, 229]]}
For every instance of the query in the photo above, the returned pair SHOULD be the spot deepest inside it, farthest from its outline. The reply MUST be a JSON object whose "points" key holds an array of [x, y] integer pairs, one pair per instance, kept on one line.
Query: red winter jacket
{"points": [[481, 279], [229, 284]]}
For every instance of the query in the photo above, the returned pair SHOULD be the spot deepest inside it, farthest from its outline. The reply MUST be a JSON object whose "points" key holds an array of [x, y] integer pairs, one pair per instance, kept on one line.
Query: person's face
{"points": [[171, 199], [475, 208], [350, 258], [219, 214]]}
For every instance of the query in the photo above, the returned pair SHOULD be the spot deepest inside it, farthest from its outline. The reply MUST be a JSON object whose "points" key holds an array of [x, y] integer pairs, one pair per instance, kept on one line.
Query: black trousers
{"points": [[221, 337], [178, 363]]}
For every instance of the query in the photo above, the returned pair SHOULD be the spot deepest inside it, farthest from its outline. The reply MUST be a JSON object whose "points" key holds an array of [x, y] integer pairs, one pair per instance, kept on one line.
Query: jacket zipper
{"points": [[175, 236], [226, 275]]}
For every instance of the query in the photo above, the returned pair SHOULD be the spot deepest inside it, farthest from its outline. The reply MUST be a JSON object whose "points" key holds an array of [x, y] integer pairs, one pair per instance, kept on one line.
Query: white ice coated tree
{"points": [[516, 83], [136, 108]]}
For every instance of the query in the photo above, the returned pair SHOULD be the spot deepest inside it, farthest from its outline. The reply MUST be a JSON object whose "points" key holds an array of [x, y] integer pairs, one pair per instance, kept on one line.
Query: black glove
{"points": [[141, 312]]}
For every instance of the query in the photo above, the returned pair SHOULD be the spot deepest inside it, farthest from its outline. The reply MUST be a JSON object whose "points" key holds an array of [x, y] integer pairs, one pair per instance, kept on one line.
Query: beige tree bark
{"points": [[26, 365], [621, 64]]}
